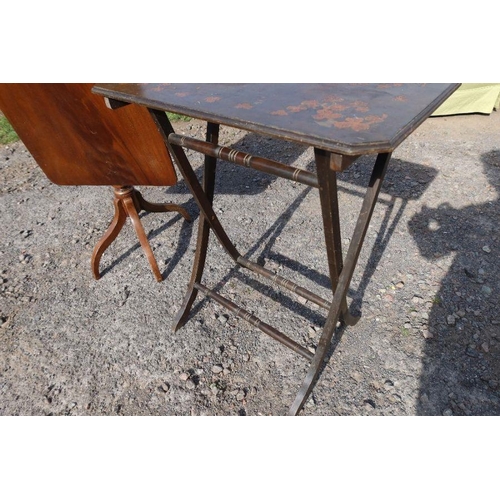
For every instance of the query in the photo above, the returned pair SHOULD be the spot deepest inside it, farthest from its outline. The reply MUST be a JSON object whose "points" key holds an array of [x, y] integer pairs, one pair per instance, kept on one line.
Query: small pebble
{"points": [[486, 290], [223, 318], [487, 249], [190, 385], [433, 225], [310, 403], [471, 351], [165, 387], [450, 319], [184, 376], [448, 412], [217, 369]]}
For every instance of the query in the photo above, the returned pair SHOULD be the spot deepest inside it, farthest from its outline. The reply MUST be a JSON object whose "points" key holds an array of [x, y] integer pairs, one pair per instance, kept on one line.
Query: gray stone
{"points": [[450, 319], [427, 334], [223, 318], [471, 351], [217, 369]]}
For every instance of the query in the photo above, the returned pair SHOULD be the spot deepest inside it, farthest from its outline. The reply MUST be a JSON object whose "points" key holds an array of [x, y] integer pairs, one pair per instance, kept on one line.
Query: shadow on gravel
{"points": [[404, 182], [461, 362]]}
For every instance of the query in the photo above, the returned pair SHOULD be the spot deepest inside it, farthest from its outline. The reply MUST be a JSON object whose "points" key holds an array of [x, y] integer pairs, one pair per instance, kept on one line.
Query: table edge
{"points": [[339, 148]]}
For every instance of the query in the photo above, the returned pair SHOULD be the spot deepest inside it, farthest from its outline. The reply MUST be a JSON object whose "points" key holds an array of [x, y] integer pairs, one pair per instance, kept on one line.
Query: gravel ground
{"points": [[428, 342]]}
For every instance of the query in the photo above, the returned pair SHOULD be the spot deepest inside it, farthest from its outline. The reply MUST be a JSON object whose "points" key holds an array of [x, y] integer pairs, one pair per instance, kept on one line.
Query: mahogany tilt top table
{"points": [[340, 121]]}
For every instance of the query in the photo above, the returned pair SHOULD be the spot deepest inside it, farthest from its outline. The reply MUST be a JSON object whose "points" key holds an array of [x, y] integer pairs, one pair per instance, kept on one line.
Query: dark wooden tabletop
{"points": [[349, 119]]}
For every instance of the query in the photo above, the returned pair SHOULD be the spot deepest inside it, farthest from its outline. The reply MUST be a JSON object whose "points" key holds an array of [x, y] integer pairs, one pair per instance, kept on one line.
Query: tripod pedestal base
{"points": [[129, 203]]}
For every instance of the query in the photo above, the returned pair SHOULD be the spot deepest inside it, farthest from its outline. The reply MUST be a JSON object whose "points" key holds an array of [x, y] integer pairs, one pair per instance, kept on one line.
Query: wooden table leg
{"points": [[328, 194], [109, 236], [129, 202], [203, 233], [344, 281]]}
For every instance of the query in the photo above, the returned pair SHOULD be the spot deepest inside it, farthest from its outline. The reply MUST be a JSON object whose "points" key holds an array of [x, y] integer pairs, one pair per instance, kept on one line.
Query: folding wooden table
{"points": [[340, 121]]}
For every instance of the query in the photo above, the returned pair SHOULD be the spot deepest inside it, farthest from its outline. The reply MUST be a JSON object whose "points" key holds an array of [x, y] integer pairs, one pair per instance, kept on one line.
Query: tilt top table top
{"points": [[340, 121], [350, 119]]}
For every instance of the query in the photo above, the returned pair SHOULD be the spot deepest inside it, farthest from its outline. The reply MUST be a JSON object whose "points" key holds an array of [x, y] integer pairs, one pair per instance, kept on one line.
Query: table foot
{"points": [[312, 374], [348, 318], [182, 315]]}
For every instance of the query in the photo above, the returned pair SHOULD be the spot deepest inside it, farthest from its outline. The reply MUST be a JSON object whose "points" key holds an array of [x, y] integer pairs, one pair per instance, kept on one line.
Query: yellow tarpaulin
{"points": [[471, 98]]}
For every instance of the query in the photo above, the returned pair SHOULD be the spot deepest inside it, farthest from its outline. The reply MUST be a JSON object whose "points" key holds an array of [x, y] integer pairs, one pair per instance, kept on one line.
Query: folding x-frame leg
{"points": [[340, 273], [203, 233], [344, 280]]}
